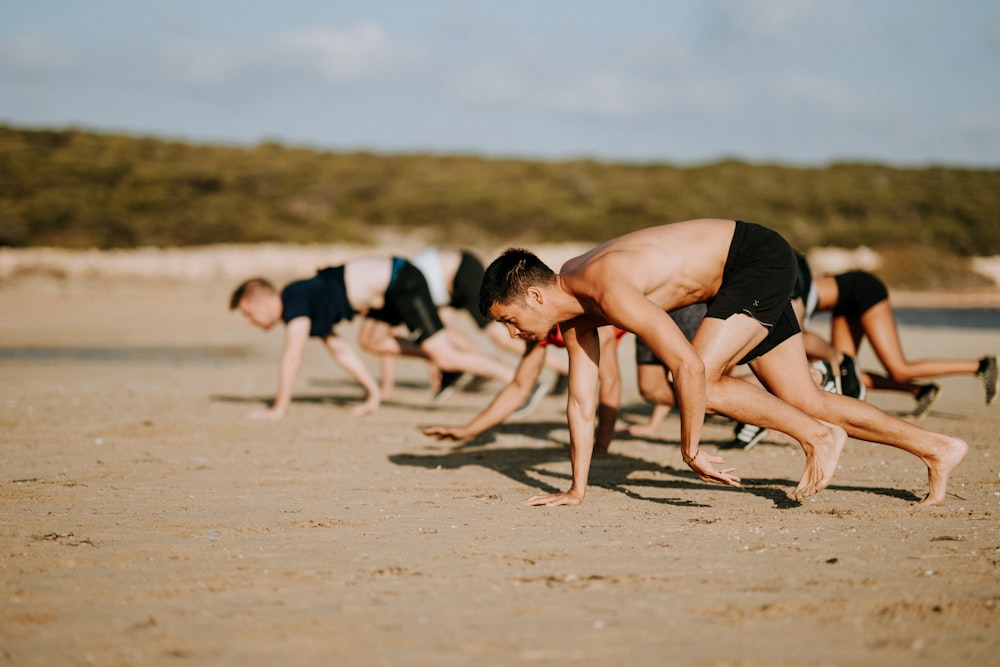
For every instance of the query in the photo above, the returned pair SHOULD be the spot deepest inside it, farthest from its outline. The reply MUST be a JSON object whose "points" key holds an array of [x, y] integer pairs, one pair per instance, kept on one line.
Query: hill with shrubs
{"points": [[78, 189]]}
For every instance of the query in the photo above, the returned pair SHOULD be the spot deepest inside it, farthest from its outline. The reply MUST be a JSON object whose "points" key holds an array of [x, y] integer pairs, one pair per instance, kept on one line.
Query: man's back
{"points": [[672, 265]]}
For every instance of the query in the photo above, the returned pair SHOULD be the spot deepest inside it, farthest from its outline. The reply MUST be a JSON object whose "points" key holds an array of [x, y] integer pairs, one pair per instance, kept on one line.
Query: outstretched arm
{"points": [[351, 362], [584, 358], [507, 400], [296, 335], [631, 310]]}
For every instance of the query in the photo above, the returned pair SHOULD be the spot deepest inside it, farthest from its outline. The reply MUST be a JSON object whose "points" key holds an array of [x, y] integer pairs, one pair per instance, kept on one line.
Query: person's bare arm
{"points": [[296, 335], [609, 395], [631, 310], [351, 362], [584, 358], [507, 400]]}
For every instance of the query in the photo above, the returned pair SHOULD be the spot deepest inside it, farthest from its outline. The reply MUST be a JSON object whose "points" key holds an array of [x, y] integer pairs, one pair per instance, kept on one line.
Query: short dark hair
{"points": [[247, 290], [510, 275]]}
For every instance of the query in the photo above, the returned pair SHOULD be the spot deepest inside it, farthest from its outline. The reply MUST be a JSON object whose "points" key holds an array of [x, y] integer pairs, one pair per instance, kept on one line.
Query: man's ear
{"points": [[535, 295]]}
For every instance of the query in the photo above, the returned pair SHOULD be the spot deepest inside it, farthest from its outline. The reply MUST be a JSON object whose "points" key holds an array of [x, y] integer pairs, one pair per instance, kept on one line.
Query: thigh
{"points": [[879, 324], [784, 371], [846, 334], [721, 344]]}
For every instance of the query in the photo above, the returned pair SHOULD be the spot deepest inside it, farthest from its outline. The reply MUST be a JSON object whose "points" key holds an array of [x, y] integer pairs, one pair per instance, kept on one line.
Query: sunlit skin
{"points": [[878, 324], [631, 282], [263, 310], [263, 313], [516, 392], [365, 283]]}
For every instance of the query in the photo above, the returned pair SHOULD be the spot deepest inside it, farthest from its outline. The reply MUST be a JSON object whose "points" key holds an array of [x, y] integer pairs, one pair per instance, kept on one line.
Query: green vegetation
{"points": [[80, 189]]}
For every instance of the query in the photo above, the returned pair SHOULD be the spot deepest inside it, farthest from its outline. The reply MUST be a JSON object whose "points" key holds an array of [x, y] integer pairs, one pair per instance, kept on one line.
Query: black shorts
{"points": [[758, 280], [857, 292], [408, 301], [688, 319], [803, 280], [465, 288]]}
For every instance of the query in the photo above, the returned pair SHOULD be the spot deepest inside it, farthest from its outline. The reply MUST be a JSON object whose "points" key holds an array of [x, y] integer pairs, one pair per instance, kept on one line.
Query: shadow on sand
{"points": [[620, 472]]}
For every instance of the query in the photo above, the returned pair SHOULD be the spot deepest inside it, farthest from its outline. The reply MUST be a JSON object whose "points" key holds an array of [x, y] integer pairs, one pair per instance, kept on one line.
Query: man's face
{"points": [[261, 311], [525, 319]]}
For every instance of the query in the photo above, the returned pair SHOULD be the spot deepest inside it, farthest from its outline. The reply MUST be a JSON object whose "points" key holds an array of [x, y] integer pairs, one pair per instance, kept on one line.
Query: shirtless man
{"points": [[745, 273], [388, 289]]}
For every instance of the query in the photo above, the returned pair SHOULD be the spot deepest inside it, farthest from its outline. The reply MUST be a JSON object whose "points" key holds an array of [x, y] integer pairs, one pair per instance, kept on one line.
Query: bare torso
{"points": [[366, 279], [826, 292], [672, 265]]}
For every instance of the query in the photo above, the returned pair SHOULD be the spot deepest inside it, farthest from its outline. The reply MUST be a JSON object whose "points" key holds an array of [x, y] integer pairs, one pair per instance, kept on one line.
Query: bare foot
{"points": [[939, 465], [821, 463]]}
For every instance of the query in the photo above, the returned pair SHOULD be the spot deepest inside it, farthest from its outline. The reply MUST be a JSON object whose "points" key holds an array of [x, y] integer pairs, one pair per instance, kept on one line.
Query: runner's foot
{"points": [[925, 399], [821, 463], [747, 435], [988, 374], [939, 466], [850, 378], [829, 381], [447, 386]]}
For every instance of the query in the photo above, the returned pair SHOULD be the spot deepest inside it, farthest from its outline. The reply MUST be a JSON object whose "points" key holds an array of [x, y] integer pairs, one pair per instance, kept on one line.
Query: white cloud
{"points": [[339, 56], [201, 63], [35, 54], [336, 56], [607, 93]]}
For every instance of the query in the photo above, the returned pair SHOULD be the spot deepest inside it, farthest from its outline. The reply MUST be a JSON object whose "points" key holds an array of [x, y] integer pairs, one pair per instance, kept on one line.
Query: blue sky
{"points": [[683, 81]]}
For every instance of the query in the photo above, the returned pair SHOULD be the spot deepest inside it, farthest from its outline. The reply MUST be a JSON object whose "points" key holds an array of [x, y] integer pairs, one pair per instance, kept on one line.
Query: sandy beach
{"points": [[144, 520]]}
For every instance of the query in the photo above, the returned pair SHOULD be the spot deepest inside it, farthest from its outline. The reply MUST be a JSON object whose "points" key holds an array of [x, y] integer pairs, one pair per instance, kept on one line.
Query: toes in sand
{"points": [[821, 463], [939, 466]]}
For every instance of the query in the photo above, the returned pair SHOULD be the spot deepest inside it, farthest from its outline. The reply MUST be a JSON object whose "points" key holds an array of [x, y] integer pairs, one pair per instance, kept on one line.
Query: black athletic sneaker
{"points": [[748, 435], [447, 386], [925, 399], [850, 379], [988, 374], [829, 381]]}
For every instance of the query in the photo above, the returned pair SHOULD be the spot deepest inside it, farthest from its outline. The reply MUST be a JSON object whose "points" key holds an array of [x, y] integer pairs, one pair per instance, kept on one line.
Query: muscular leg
{"points": [[880, 325], [377, 337], [782, 371], [443, 352], [721, 344]]}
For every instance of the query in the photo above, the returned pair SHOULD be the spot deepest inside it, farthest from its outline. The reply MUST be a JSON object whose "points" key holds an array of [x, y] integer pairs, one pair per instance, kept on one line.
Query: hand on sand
{"points": [[702, 464], [571, 497]]}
